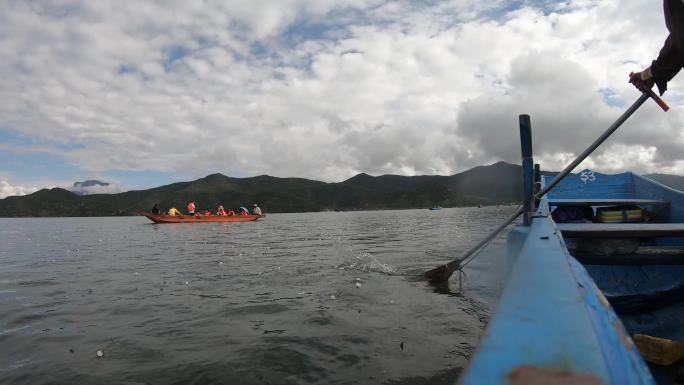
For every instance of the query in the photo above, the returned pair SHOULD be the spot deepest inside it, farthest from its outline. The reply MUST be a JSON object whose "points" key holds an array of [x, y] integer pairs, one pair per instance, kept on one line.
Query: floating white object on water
{"points": [[358, 279], [358, 284], [332, 296], [136, 273], [220, 263], [187, 282], [99, 353], [391, 301]]}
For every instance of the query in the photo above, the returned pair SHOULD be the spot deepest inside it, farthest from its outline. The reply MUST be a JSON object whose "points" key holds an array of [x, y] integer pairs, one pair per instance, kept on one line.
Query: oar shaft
{"points": [[658, 100], [442, 273], [456, 263], [594, 145], [635, 106]]}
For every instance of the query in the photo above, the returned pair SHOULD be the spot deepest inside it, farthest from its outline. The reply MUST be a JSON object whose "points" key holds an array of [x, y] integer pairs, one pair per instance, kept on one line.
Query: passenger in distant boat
{"points": [[220, 210], [671, 57], [231, 213], [191, 208], [174, 211], [155, 209], [207, 213], [256, 210], [243, 211]]}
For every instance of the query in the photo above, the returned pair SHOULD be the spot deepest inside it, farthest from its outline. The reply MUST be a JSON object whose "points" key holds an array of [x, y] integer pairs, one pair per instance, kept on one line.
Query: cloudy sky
{"points": [[145, 93]]}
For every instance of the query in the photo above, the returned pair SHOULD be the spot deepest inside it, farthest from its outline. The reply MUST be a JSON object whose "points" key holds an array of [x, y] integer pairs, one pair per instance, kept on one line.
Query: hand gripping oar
{"points": [[642, 86], [442, 273]]}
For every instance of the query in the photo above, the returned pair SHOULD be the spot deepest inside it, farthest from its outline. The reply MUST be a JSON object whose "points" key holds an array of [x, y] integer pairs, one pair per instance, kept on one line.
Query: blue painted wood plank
{"points": [[588, 184], [652, 189], [605, 201], [621, 230], [543, 321]]}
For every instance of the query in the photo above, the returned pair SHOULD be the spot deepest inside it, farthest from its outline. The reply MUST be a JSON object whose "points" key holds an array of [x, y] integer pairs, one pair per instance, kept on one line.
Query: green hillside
{"points": [[496, 183], [674, 181]]}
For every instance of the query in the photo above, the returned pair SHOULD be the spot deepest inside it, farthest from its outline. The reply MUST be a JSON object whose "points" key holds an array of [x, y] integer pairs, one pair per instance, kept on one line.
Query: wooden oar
{"points": [[642, 86], [442, 273], [660, 102]]}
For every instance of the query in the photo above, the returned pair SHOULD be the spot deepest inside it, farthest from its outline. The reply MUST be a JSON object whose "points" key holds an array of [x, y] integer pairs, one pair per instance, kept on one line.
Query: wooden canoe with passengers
{"points": [[164, 218]]}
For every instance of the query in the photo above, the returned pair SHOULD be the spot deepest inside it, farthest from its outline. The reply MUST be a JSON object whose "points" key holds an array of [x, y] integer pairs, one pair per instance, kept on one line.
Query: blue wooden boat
{"points": [[589, 302]]}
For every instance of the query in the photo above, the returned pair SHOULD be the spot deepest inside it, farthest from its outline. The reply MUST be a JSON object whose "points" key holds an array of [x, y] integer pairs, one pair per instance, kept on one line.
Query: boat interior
{"points": [[628, 233], [595, 293]]}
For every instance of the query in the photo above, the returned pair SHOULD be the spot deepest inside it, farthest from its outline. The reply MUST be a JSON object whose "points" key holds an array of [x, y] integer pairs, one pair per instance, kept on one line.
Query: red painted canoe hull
{"points": [[163, 218]]}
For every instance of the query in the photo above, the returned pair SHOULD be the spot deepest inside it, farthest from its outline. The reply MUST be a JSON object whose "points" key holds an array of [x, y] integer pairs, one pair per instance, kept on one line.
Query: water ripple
{"points": [[295, 299]]}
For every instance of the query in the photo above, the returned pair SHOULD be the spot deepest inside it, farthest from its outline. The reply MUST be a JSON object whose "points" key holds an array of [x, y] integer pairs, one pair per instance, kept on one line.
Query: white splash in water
{"points": [[368, 263]]}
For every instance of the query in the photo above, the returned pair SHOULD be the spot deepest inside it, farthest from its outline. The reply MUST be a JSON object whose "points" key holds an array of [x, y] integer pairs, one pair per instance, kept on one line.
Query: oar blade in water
{"points": [[439, 274]]}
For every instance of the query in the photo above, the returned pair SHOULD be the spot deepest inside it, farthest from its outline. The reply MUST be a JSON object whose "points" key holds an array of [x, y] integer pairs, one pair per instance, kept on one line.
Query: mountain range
{"points": [[497, 183]]}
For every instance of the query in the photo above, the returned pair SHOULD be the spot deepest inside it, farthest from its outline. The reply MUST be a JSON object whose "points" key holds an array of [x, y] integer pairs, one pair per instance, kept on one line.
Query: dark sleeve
{"points": [[671, 56], [666, 66]]}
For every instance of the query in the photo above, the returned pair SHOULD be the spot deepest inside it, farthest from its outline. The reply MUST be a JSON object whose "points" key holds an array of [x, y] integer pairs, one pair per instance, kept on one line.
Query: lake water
{"points": [[268, 302]]}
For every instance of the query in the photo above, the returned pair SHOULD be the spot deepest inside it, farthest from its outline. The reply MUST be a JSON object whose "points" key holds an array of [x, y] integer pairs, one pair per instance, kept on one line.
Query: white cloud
{"points": [[326, 89], [7, 190]]}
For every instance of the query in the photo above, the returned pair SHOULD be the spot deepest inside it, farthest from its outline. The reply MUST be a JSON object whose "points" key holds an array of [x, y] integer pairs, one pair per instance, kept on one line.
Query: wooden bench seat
{"points": [[643, 256], [605, 202], [621, 230]]}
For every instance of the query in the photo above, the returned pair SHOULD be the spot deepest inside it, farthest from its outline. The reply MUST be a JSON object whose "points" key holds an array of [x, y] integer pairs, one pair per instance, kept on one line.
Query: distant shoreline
{"points": [[269, 213], [495, 184]]}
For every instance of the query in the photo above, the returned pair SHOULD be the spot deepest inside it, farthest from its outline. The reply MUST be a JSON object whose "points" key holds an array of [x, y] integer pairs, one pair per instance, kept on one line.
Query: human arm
{"points": [[671, 56], [666, 66]]}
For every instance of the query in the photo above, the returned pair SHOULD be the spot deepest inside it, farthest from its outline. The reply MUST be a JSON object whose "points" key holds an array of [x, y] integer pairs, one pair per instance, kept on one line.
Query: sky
{"points": [[142, 94]]}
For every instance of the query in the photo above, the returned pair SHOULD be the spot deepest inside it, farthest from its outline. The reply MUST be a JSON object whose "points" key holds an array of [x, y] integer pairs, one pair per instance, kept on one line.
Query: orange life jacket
{"points": [[191, 208]]}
